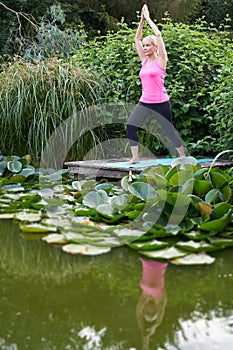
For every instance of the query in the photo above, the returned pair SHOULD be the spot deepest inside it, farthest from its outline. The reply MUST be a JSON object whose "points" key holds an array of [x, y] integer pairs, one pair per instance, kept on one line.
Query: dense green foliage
{"points": [[97, 16], [36, 98], [200, 65], [164, 213], [105, 71], [198, 81]]}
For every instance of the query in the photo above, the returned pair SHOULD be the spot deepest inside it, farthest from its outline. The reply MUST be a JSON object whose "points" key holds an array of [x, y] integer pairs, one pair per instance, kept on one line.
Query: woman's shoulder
{"points": [[144, 61]]}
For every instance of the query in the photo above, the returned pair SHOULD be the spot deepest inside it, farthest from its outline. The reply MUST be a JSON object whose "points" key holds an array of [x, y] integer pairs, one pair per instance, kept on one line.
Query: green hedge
{"points": [[199, 78], [36, 98]]}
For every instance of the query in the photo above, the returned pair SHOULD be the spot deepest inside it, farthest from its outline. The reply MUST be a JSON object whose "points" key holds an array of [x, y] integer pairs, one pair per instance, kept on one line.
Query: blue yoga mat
{"points": [[150, 162]]}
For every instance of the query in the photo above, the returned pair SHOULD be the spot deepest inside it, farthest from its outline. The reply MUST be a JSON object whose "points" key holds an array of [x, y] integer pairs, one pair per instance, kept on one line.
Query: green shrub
{"points": [[196, 57], [220, 109]]}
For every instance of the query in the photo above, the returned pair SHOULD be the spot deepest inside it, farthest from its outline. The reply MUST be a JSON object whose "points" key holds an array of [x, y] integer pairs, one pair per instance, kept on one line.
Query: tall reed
{"points": [[36, 98]]}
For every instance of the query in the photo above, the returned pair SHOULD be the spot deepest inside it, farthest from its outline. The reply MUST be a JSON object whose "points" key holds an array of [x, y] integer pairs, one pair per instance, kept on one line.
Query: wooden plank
{"points": [[101, 169]]}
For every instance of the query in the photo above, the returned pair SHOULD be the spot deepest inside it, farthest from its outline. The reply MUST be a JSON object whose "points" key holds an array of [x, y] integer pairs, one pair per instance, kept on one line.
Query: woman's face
{"points": [[149, 47]]}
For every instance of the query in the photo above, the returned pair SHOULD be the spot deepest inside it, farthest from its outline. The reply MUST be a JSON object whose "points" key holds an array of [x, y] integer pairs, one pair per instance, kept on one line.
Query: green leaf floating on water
{"points": [[220, 209], [94, 198], [220, 182], [128, 233], [221, 242], [202, 187], [155, 179], [212, 195], [85, 249], [194, 259], [174, 199], [149, 245], [27, 171], [217, 225], [167, 253], [106, 209], [119, 202], [3, 165], [37, 228], [27, 216], [7, 216], [142, 190], [14, 166], [197, 246], [17, 179], [54, 238], [180, 178], [196, 235], [13, 188], [79, 238]]}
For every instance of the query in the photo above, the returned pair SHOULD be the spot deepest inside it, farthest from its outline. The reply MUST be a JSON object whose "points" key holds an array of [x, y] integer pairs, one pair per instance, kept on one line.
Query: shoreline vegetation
{"points": [[181, 214], [36, 96], [62, 77]]}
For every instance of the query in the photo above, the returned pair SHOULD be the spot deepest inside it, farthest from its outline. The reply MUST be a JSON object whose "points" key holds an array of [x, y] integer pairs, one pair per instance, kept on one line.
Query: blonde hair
{"points": [[151, 38]]}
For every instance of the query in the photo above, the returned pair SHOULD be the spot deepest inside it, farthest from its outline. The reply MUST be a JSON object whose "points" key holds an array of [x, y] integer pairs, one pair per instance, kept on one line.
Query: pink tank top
{"points": [[152, 282], [152, 78]]}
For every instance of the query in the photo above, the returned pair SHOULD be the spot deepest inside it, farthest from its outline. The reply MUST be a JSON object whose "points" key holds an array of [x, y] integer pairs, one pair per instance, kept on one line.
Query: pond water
{"points": [[52, 300]]}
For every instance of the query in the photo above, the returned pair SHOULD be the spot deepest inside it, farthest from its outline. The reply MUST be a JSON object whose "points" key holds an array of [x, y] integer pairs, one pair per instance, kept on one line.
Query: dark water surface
{"points": [[51, 300]]}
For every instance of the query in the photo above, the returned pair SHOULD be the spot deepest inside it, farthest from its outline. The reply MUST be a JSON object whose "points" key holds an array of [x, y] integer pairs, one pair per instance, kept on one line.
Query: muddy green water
{"points": [[51, 300]]}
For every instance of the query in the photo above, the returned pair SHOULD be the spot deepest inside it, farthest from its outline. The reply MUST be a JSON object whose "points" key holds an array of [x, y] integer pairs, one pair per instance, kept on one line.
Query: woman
{"points": [[153, 56]]}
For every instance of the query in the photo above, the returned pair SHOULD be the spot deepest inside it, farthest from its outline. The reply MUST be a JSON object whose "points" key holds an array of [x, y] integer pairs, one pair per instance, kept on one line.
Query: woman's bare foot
{"points": [[135, 158], [134, 161]]}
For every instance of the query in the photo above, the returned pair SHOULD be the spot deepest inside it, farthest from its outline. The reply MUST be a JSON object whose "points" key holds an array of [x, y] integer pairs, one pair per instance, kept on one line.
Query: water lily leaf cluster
{"points": [[181, 214]]}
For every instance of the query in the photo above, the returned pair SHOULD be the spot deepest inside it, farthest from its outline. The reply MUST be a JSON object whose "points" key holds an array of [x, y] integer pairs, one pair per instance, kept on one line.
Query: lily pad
{"points": [[13, 188], [202, 187], [27, 216], [37, 228], [14, 166], [167, 253], [183, 161], [196, 246], [129, 233], [85, 249], [221, 242], [94, 198], [212, 195], [119, 202], [27, 171], [205, 208], [196, 235], [216, 225], [149, 245], [3, 165], [220, 182], [142, 190], [54, 238], [7, 216], [106, 209], [109, 242], [79, 238], [77, 185], [156, 180], [194, 259]]}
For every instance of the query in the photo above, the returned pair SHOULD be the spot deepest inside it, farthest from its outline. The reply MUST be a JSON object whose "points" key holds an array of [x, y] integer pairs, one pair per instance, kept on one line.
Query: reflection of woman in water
{"points": [[152, 302]]}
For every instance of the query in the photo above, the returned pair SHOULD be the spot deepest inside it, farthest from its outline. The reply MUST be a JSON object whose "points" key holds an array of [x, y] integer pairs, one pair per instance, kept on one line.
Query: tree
{"points": [[97, 16], [215, 11]]}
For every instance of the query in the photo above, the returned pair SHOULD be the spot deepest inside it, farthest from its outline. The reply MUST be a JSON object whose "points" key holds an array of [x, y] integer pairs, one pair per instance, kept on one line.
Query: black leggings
{"points": [[159, 111]]}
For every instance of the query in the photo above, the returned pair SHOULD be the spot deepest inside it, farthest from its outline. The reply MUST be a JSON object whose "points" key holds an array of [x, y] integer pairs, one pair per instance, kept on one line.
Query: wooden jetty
{"points": [[116, 169]]}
